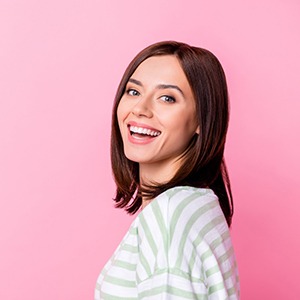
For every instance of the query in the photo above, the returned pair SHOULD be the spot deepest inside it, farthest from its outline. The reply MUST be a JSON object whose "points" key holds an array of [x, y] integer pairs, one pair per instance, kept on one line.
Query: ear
{"points": [[198, 129]]}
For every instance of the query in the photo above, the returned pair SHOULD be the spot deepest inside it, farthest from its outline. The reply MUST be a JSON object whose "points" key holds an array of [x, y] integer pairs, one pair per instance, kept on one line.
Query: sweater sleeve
{"points": [[185, 250]]}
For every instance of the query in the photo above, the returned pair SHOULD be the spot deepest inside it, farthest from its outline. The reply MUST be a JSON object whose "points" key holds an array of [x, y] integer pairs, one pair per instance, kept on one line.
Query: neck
{"points": [[158, 173], [155, 174]]}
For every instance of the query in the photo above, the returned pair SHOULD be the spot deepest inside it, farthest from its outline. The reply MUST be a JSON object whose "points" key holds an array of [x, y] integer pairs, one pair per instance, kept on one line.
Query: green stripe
{"points": [[214, 245], [192, 259], [129, 248], [195, 216], [98, 286], [133, 230], [178, 211], [212, 271], [177, 272], [221, 260], [148, 234], [160, 221], [228, 274], [173, 191], [216, 287], [208, 227], [171, 290], [120, 281], [110, 297], [211, 225], [145, 264], [226, 255], [109, 264], [208, 253], [232, 291], [221, 239], [125, 265]]}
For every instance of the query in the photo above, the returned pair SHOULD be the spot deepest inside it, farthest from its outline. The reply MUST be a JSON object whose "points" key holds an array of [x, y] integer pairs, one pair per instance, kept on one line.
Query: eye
{"points": [[168, 99], [132, 92]]}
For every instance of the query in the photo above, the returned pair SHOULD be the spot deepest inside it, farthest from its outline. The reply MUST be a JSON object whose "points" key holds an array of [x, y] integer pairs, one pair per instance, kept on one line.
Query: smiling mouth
{"points": [[143, 132]]}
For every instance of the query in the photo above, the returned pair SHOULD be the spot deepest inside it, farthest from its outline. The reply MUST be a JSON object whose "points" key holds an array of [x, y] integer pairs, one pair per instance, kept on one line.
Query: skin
{"points": [[158, 100]]}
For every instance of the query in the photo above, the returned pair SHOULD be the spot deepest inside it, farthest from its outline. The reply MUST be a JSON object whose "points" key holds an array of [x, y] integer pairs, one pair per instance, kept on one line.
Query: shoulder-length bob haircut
{"points": [[202, 163]]}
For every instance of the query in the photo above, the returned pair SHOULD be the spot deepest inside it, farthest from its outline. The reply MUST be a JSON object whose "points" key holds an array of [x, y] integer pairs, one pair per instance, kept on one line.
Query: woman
{"points": [[169, 126]]}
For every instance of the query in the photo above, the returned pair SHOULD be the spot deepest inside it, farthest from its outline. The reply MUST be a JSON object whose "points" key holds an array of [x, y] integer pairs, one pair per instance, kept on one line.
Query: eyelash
{"points": [[170, 99], [165, 98], [132, 92]]}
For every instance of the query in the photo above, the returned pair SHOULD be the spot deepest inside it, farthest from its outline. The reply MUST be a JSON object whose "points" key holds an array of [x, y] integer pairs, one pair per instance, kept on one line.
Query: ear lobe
{"points": [[198, 130]]}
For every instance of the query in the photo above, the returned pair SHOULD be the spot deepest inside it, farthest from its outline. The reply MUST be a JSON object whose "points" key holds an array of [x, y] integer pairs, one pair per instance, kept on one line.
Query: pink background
{"points": [[60, 63]]}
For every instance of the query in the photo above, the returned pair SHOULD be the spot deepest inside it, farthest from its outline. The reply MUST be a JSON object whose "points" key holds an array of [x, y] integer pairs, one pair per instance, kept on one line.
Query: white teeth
{"points": [[142, 130]]}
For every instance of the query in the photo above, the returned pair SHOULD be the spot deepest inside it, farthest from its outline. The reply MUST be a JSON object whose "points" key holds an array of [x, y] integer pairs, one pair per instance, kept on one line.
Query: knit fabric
{"points": [[178, 247]]}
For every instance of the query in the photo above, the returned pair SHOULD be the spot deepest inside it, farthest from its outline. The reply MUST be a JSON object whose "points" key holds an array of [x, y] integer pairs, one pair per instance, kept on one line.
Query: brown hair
{"points": [[203, 163]]}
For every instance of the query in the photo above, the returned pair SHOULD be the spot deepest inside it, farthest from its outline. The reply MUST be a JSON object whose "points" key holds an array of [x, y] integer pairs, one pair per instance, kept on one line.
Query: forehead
{"points": [[161, 69]]}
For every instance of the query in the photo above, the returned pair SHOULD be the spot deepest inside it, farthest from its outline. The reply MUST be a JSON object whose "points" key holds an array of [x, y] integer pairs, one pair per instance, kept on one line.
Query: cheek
{"points": [[185, 130], [193, 124], [122, 110]]}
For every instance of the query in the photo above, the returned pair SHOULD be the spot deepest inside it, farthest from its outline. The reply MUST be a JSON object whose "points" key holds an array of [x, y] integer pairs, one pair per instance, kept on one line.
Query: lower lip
{"points": [[140, 141]]}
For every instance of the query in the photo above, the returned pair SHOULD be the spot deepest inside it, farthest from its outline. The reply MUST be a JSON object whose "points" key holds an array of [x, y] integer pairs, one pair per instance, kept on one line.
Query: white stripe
{"points": [[186, 279]]}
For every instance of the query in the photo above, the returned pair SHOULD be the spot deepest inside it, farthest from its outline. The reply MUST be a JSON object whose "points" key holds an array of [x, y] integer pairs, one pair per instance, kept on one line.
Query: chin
{"points": [[133, 158], [137, 159]]}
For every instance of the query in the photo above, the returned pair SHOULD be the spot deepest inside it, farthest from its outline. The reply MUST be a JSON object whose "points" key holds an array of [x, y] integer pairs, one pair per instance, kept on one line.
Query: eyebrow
{"points": [[159, 86]]}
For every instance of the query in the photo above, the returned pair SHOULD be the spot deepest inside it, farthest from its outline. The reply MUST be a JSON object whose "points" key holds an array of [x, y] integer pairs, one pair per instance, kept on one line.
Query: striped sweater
{"points": [[178, 247]]}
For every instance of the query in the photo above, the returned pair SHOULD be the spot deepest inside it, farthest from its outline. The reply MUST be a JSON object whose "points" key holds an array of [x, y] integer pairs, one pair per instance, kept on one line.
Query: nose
{"points": [[142, 108]]}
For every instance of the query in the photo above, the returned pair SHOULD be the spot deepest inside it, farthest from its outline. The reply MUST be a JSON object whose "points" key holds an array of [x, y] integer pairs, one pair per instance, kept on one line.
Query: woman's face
{"points": [[156, 114]]}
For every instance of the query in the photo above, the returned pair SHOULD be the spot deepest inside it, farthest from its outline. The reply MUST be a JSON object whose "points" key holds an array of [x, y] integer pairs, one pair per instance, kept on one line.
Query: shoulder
{"points": [[182, 201], [182, 207], [173, 225], [185, 232]]}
